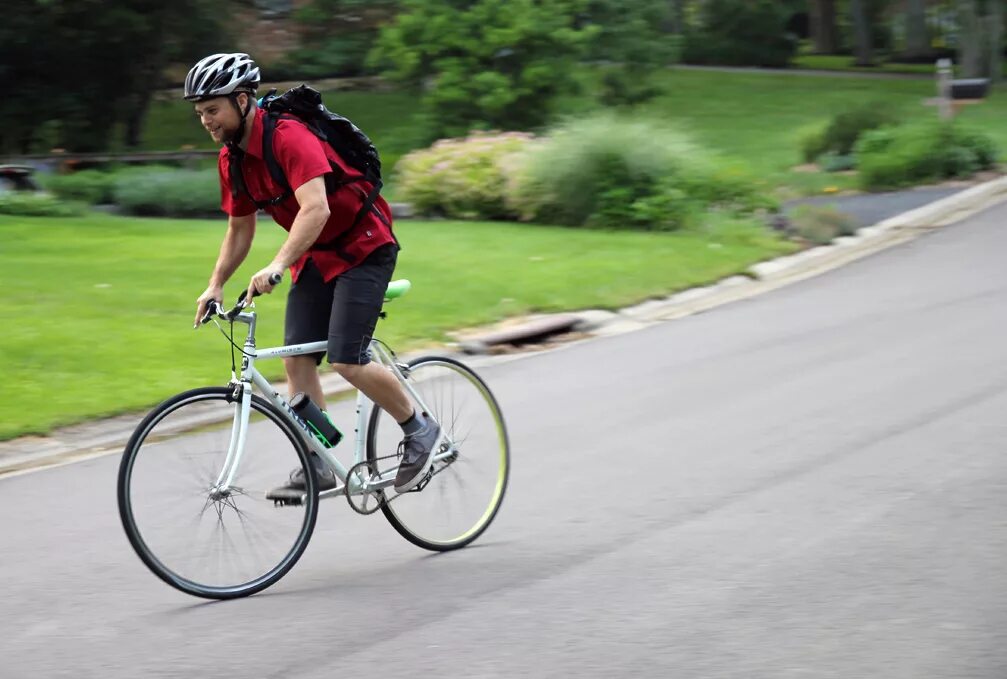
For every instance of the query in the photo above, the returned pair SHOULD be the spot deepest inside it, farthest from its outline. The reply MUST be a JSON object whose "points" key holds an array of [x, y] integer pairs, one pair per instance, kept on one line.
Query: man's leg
{"points": [[302, 375], [380, 386]]}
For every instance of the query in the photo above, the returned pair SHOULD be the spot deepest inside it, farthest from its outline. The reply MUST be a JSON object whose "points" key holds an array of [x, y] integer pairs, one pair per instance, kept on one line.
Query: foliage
{"points": [[630, 42], [490, 64], [93, 187], [335, 38], [627, 173], [462, 178], [913, 154], [81, 67], [160, 192], [842, 132], [821, 224], [741, 33], [31, 204]]}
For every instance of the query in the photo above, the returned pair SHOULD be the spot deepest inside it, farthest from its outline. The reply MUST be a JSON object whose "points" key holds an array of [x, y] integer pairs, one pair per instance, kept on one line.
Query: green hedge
{"points": [[176, 193], [93, 187], [30, 204], [890, 158]]}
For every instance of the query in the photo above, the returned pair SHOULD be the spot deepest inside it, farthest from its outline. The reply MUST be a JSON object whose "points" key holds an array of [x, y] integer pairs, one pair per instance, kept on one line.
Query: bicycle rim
{"points": [[464, 494], [201, 542]]}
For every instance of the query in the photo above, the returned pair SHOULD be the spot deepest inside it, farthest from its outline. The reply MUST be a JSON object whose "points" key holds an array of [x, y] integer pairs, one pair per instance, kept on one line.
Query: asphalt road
{"points": [[811, 483]]}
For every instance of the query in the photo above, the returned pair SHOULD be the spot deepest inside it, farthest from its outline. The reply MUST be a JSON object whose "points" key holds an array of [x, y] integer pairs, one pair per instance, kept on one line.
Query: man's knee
{"points": [[347, 371]]}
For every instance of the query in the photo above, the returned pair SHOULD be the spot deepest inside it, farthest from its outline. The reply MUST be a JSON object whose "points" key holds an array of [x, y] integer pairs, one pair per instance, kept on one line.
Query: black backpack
{"points": [[352, 145]]}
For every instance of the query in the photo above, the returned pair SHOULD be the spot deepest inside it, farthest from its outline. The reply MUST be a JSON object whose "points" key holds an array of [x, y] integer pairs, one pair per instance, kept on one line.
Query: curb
{"points": [[100, 437]]}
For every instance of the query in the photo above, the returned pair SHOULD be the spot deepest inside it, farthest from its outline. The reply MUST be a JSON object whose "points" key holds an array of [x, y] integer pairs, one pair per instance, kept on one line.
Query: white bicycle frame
{"points": [[249, 376]]}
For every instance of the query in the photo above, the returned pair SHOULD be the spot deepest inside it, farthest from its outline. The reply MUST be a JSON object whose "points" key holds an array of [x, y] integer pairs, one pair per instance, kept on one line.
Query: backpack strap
{"points": [[275, 171]]}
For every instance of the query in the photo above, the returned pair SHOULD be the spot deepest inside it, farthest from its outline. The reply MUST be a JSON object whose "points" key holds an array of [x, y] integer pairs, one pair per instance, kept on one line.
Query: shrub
{"points": [[741, 33], [89, 186], [891, 158], [843, 131], [181, 193], [619, 173], [833, 162], [461, 178], [821, 224], [27, 204]]}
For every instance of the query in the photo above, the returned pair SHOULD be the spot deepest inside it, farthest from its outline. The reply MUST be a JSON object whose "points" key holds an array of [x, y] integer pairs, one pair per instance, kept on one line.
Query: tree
{"points": [[629, 40], [485, 63], [863, 40], [87, 66], [980, 38], [824, 29], [917, 41]]}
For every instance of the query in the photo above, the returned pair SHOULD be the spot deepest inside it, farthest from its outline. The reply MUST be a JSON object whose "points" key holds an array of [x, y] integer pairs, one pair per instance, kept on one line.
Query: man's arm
{"points": [[311, 218], [233, 250]]}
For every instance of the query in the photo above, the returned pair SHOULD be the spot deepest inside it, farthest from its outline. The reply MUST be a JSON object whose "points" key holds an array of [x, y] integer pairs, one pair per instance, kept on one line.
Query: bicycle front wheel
{"points": [[467, 488], [197, 537]]}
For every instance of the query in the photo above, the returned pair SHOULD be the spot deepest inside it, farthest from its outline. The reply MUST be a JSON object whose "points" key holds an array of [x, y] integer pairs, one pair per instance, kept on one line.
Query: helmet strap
{"points": [[242, 115]]}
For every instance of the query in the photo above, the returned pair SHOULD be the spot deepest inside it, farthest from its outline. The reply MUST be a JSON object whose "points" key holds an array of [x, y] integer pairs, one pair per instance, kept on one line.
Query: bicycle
{"points": [[233, 442]]}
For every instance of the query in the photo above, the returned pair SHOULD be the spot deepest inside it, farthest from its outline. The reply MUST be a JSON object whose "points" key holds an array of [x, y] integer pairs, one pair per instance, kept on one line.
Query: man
{"points": [[340, 262]]}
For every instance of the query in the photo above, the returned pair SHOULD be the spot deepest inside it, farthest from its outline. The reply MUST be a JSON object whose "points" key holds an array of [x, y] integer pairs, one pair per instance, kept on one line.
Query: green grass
{"points": [[841, 62], [98, 310], [758, 117]]}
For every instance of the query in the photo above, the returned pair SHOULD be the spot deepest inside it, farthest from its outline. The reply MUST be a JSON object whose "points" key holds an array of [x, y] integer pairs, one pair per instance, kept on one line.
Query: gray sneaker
{"points": [[416, 457], [326, 480]]}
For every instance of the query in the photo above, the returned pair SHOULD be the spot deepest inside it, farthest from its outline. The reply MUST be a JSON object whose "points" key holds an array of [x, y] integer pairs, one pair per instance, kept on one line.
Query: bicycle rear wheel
{"points": [[197, 539], [466, 490]]}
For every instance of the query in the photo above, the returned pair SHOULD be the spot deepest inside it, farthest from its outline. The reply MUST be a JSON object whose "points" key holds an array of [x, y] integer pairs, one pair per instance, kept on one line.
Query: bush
{"points": [[914, 154], [741, 33], [821, 224], [461, 178], [26, 204], [841, 134], [179, 193], [89, 186], [619, 173]]}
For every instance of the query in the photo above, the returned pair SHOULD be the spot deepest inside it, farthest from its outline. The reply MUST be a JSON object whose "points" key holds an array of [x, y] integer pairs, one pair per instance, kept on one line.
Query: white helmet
{"points": [[219, 75]]}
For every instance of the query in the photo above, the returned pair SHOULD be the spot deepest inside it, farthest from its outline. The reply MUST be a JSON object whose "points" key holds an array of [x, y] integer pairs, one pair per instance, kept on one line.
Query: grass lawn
{"points": [[758, 117], [98, 310]]}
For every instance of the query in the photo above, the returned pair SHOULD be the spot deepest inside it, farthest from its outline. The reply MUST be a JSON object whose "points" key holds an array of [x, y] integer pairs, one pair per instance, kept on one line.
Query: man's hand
{"points": [[260, 281], [214, 293]]}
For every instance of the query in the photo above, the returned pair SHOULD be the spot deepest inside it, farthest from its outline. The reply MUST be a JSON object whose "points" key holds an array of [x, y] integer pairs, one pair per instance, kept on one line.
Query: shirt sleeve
{"points": [[239, 206], [299, 153]]}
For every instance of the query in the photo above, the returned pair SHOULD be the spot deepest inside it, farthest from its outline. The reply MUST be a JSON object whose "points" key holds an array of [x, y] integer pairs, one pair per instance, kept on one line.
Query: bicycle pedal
{"points": [[286, 497]]}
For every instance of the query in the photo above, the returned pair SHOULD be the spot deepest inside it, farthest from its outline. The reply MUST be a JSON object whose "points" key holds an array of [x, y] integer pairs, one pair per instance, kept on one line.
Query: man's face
{"points": [[219, 117]]}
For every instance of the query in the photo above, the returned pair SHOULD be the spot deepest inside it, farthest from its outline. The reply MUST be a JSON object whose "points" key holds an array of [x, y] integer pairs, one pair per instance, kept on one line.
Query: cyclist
{"points": [[340, 262]]}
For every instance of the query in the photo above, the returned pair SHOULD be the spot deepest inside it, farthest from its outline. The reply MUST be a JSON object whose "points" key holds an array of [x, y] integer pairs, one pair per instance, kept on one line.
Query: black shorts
{"points": [[344, 310]]}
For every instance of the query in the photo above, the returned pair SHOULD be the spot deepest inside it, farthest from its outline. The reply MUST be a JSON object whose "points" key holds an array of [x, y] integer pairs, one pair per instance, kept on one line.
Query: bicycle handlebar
{"points": [[214, 308]]}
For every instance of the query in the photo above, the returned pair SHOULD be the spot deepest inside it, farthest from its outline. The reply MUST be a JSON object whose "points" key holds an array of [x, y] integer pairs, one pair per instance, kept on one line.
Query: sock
{"points": [[414, 424]]}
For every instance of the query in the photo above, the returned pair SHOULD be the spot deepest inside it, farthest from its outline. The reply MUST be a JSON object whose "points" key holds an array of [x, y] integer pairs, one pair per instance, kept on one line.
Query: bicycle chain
{"points": [[382, 499]]}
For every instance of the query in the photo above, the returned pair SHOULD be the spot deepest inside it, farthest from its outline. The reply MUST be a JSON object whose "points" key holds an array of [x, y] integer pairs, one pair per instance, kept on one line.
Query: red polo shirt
{"points": [[303, 156]]}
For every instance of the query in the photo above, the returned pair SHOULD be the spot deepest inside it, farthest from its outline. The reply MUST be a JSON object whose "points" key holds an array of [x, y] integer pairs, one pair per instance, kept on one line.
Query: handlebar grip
{"points": [[273, 280]]}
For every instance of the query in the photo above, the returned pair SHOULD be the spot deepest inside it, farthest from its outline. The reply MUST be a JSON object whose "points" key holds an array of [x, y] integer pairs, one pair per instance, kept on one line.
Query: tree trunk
{"points": [[824, 32], [970, 40], [917, 42], [996, 24], [863, 44]]}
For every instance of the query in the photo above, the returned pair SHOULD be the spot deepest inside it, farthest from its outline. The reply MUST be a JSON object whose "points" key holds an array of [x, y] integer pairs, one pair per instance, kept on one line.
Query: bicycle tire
{"points": [[393, 509], [126, 499]]}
